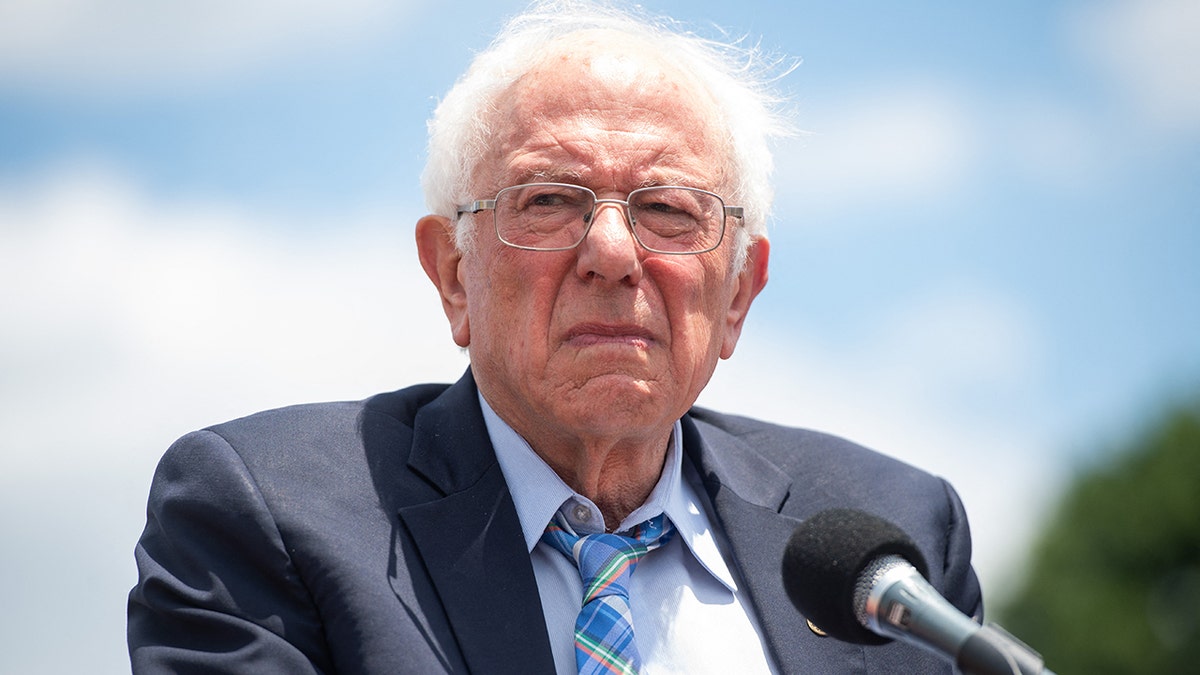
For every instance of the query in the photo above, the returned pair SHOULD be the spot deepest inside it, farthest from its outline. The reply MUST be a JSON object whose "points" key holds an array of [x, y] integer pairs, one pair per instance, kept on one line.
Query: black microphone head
{"points": [[825, 559]]}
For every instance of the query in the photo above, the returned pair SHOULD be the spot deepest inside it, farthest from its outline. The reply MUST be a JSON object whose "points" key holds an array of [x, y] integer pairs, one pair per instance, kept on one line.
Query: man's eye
{"points": [[661, 207], [546, 199]]}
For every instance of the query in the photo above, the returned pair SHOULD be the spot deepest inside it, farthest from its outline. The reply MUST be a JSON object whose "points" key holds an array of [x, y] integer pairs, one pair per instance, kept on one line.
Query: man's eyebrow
{"points": [[547, 176], [681, 180]]}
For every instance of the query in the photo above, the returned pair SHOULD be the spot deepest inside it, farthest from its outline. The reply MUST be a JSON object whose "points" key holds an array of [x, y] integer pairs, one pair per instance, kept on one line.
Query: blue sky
{"points": [[983, 248]]}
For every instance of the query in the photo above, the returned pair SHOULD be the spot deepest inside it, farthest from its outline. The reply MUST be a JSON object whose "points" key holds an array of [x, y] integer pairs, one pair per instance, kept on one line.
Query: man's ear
{"points": [[751, 281], [442, 261]]}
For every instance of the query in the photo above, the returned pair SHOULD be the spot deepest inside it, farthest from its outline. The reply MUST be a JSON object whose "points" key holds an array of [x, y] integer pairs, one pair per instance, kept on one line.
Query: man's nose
{"points": [[610, 251]]}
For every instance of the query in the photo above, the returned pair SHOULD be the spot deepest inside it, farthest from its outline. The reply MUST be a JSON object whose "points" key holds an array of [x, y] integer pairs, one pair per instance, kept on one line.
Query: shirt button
{"points": [[582, 513]]}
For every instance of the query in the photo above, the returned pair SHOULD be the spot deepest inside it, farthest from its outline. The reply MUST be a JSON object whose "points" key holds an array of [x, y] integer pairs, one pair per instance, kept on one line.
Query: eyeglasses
{"points": [[557, 217]]}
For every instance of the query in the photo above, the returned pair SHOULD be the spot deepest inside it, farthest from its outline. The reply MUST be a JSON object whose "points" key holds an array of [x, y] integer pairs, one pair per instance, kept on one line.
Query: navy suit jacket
{"points": [[380, 537]]}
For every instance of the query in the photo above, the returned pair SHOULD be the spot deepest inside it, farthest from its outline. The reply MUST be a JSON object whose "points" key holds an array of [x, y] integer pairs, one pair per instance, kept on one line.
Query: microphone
{"points": [[859, 578]]}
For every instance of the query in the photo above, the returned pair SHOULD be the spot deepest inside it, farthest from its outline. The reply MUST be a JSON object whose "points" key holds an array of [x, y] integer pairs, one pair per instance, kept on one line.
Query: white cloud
{"points": [[129, 321], [131, 44], [905, 142], [1150, 48], [144, 300], [961, 336], [1052, 143]]}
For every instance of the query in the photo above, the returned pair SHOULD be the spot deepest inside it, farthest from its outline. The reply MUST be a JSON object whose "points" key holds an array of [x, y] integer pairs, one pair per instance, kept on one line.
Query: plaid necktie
{"points": [[604, 629]]}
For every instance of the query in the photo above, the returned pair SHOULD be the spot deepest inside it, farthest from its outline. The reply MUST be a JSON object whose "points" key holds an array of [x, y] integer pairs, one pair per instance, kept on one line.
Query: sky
{"points": [[983, 248]]}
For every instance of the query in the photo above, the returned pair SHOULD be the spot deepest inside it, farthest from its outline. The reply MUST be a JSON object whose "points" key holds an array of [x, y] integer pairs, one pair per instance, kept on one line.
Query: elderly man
{"points": [[599, 193]]}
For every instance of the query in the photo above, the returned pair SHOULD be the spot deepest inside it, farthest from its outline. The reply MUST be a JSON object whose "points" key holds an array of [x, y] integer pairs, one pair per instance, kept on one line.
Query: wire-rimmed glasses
{"points": [[557, 216]]}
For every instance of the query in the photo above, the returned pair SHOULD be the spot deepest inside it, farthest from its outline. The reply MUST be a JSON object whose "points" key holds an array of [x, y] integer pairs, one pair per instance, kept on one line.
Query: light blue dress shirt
{"points": [[689, 615]]}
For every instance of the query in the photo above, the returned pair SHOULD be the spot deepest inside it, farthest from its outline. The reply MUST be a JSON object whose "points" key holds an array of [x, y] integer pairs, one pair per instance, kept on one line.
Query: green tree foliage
{"points": [[1114, 583]]}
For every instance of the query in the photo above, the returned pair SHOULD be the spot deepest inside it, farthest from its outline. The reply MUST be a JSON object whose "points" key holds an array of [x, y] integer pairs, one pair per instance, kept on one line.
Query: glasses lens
{"points": [[677, 220], [542, 215]]}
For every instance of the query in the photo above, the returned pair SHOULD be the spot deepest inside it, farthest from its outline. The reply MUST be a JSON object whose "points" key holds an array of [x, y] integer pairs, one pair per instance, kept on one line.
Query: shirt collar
{"points": [[539, 494]]}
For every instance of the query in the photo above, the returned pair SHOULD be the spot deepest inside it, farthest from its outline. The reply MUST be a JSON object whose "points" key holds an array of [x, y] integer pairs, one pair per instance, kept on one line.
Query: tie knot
{"points": [[606, 561]]}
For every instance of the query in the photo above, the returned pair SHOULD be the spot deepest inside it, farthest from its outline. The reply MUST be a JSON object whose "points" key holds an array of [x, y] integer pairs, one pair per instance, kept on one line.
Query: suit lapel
{"points": [[471, 541], [747, 494]]}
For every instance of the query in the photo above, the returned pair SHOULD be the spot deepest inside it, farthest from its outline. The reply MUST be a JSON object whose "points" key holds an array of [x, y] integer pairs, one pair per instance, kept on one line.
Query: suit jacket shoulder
{"points": [[828, 469], [376, 536]]}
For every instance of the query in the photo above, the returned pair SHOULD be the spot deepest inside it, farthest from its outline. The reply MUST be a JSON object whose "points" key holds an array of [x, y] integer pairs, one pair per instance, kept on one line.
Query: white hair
{"points": [[738, 78]]}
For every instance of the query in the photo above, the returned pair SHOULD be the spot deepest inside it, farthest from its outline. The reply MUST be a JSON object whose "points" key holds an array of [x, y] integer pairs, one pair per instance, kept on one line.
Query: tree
{"points": [[1114, 582]]}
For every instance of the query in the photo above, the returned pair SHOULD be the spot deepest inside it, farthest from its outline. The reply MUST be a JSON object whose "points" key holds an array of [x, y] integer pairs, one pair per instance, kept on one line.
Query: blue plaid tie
{"points": [[604, 630]]}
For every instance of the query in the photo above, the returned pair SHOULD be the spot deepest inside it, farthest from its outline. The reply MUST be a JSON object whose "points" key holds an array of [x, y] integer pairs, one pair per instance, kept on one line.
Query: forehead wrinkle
{"points": [[594, 164]]}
